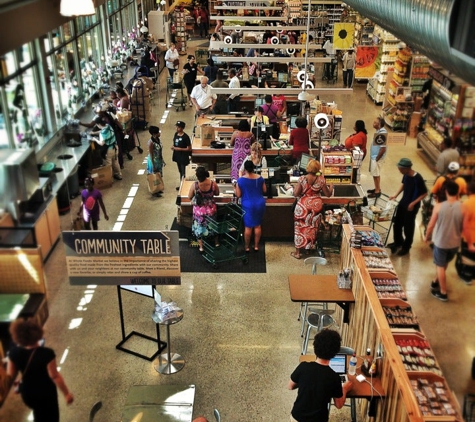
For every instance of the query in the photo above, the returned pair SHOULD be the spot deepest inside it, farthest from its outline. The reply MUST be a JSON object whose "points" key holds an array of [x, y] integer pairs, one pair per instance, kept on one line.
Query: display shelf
{"points": [[397, 117], [451, 113], [369, 327], [180, 31], [337, 165], [419, 72]]}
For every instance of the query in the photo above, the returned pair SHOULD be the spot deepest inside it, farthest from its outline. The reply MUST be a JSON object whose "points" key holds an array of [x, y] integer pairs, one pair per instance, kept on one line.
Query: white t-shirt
{"points": [[171, 55], [203, 96], [328, 47], [234, 83]]}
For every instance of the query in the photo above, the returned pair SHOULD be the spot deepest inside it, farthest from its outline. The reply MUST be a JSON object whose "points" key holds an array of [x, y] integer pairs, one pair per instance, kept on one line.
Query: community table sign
{"points": [[136, 258]]}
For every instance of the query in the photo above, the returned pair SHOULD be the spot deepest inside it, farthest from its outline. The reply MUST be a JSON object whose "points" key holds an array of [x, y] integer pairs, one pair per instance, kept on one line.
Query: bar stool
{"points": [[318, 320], [304, 306], [169, 363]]}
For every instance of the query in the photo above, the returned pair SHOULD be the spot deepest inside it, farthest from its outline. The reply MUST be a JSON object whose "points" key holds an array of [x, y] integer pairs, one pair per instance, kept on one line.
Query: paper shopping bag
{"points": [[155, 183]]}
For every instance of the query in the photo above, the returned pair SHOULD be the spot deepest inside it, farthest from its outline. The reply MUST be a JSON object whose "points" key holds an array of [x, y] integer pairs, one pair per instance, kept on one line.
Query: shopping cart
{"points": [[176, 96], [379, 214], [229, 230]]}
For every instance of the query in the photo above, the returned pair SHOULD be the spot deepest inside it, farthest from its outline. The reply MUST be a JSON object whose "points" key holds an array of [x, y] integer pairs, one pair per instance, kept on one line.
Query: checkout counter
{"points": [[278, 207]]}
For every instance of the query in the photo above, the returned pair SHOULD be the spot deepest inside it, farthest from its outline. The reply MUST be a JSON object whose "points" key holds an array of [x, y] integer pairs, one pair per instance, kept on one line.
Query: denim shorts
{"points": [[443, 256]]}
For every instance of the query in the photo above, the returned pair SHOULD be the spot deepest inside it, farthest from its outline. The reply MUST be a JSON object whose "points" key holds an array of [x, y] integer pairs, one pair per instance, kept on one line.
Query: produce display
{"points": [[400, 317], [433, 397], [377, 259], [387, 288]]}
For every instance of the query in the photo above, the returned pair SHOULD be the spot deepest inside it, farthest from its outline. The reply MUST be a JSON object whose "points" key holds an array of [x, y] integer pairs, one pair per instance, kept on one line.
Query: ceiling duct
{"points": [[443, 30]]}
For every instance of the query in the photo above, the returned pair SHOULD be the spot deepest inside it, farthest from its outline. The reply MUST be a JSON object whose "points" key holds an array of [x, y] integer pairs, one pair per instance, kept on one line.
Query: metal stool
{"points": [[319, 320], [304, 306]]}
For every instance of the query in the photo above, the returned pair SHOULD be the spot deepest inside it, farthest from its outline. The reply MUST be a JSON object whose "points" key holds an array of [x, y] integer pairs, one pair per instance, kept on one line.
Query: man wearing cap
{"points": [[413, 191], [438, 190], [181, 148], [447, 220], [447, 155], [202, 97], [377, 155]]}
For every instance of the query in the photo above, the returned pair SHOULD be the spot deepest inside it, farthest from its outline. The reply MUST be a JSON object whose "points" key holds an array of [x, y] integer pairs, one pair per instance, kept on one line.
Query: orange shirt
{"points": [[357, 140], [459, 180], [469, 217]]}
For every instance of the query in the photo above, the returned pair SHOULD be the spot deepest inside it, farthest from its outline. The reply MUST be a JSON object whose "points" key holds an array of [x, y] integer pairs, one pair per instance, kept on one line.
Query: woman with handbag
{"points": [[308, 207], [40, 376], [155, 161], [202, 194], [172, 60]]}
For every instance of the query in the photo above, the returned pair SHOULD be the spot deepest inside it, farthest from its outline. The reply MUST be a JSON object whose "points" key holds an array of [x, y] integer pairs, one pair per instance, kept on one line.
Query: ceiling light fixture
{"points": [[77, 8]]}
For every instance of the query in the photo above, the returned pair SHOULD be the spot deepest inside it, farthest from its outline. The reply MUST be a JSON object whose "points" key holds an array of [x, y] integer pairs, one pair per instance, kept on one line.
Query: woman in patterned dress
{"points": [[308, 209], [241, 141], [203, 192]]}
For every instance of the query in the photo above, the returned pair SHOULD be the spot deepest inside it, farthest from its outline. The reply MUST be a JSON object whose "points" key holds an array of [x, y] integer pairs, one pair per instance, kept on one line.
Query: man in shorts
{"points": [[446, 223], [377, 156]]}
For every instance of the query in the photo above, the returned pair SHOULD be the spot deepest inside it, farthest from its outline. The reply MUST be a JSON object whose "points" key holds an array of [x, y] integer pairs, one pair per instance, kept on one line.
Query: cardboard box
{"points": [[102, 177]]}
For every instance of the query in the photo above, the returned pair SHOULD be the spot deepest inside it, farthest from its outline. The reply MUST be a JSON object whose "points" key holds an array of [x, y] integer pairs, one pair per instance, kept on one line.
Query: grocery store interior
{"points": [[59, 68]]}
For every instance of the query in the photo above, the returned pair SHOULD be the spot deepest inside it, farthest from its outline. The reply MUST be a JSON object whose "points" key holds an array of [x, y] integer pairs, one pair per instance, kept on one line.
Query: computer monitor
{"points": [[259, 102], [293, 119], [304, 160]]}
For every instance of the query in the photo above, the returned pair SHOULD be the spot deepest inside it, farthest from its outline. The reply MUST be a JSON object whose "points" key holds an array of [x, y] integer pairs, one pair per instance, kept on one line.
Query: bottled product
{"points": [[367, 362], [352, 367]]}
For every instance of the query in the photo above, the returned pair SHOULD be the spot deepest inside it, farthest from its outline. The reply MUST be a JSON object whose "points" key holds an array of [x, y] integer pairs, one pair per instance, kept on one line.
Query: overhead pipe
{"points": [[429, 27]]}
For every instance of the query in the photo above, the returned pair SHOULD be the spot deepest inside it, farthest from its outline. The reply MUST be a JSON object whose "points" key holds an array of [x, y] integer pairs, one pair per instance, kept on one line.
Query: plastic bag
{"points": [[165, 311]]}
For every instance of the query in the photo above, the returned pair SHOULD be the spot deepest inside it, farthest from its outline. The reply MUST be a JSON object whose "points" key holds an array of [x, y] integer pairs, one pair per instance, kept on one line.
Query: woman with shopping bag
{"points": [[155, 162]]}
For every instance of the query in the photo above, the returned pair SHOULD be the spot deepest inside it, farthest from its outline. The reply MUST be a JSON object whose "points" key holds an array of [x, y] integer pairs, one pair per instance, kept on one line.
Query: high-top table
{"points": [[320, 288]]}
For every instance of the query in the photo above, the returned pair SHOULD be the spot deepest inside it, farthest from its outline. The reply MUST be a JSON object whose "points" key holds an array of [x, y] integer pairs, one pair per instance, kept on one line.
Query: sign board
{"points": [[398, 138], [122, 258]]}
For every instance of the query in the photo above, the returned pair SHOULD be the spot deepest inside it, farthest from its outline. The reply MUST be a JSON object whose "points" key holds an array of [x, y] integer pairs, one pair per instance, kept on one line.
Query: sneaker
{"points": [[403, 252], [393, 247], [441, 296], [117, 177], [434, 285], [371, 190], [374, 195]]}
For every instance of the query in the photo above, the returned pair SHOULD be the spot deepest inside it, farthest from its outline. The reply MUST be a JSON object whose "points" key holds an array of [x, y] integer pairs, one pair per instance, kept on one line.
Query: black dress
{"points": [[38, 390], [190, 77]]}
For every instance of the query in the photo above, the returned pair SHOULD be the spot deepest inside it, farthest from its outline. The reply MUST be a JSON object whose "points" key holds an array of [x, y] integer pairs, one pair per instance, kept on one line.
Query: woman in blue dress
{"points": [[250, 188]]}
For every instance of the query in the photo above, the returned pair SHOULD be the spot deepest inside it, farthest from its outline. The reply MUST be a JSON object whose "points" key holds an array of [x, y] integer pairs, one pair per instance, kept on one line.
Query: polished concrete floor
{"points": [[239, 336]]}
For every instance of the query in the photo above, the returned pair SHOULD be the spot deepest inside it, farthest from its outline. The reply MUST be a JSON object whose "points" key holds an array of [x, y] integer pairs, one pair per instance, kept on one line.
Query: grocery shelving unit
{"points": [[337, 166], [451, 113], [420, 66], [180, 27], [377, 86]]}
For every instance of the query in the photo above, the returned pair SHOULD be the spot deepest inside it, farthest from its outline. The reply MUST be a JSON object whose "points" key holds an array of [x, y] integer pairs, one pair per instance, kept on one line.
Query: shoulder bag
{"points": [[17, 384], [198, 198]]}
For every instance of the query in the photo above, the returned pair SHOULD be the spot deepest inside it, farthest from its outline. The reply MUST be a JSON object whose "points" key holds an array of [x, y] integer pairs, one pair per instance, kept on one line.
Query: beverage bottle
{"points": [[352, 367], [367, 362]]}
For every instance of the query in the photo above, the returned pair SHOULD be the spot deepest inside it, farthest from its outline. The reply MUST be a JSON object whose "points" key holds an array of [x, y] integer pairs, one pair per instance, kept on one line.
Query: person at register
{"points": [[299, 138], [317, 383], [241, 140], [273, 113], [258, 119], [256, 157], [307, 213]]}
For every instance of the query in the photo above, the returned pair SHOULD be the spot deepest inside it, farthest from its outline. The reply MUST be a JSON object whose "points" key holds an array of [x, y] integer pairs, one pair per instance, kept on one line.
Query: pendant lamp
{"points": [[77, 8]]}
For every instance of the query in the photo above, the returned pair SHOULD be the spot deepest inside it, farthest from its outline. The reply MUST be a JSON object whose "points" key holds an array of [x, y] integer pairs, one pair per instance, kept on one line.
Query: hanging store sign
{"points": [[122, 258]]}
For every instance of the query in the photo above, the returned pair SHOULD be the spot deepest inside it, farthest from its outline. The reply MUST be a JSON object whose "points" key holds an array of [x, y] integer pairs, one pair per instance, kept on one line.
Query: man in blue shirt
{"points": [[377, 156]]}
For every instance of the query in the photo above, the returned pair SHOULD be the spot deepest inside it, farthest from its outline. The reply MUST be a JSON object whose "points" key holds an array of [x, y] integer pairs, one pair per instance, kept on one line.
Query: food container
{"points": [[387, 285], [399, 314]]}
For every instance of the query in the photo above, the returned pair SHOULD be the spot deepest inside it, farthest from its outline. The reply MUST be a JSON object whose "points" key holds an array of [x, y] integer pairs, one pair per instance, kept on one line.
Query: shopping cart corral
{"points": [[379, 214], [229, 230]]}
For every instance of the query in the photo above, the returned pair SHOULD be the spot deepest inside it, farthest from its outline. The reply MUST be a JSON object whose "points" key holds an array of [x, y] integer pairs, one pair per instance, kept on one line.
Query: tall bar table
{"points": [[168, 363]]}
